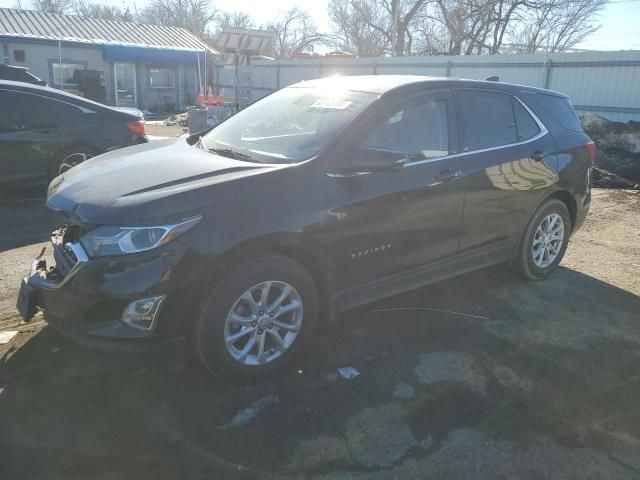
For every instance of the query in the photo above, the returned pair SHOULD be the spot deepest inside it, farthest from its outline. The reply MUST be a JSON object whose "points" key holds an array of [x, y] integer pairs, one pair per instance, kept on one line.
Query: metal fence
{"points": [[605, 83]]}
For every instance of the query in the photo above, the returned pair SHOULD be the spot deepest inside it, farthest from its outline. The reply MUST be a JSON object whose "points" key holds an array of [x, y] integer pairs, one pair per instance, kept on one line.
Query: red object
{"points": [[200, 99], [220, 100], [210, 99], [137, 127], [591, 150]]}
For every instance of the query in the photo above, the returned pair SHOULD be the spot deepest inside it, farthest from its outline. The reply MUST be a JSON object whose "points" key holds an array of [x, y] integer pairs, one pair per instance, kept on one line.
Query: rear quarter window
{"points": [[561, 110], [526, 126]]}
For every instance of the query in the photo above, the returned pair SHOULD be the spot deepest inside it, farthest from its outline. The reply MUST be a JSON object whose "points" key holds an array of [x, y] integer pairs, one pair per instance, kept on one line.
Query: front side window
{"points": [[488, 119], [161, 77], [290, 125], [420, 131], [64, 74]]}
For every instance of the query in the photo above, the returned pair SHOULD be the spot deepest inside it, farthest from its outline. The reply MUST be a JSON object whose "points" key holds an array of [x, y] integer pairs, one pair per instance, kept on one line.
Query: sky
{"points": [[620, 19]]}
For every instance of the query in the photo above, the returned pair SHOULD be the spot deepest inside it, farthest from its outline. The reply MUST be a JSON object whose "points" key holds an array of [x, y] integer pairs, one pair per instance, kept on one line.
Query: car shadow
{"points": [[74, 413]]}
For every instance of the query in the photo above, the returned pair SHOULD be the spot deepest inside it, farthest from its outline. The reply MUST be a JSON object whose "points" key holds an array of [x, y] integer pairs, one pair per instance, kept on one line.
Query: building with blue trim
{"points": [[150, 67]]}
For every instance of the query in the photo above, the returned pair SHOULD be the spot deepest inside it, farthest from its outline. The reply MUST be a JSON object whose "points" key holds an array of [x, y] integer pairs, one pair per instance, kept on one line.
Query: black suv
{"points": [[44, 131], [320, 197]]}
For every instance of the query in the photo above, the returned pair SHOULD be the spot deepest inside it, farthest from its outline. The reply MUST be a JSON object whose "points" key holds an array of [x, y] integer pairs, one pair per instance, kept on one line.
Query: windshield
{"points": [[291, 125]]}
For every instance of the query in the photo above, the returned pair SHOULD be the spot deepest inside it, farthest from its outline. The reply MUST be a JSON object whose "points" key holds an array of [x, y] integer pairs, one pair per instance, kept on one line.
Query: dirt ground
{"points": [[482, 377]]}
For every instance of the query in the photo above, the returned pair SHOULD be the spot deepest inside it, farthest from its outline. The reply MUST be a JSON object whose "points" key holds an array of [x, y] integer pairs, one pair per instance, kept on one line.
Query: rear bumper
{"points": [[87, 303]]}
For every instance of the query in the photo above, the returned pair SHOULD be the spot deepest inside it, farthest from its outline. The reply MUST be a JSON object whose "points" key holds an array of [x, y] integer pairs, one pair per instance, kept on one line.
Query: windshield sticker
{"points": [[331, 104]]}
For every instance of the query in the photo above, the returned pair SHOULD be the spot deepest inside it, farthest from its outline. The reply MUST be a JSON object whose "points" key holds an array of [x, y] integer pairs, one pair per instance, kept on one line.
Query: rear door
{"points": [[395, 222], [509, 166]]}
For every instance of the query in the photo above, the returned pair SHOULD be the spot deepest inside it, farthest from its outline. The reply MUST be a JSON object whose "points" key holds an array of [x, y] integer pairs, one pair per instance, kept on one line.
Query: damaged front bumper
{"points": [[87, 299]]}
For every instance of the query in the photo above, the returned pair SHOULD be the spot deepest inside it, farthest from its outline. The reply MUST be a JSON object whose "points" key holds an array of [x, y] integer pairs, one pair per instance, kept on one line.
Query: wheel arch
{"points": [[297, 247], [570, 202], [68, 150], [565, 197]]}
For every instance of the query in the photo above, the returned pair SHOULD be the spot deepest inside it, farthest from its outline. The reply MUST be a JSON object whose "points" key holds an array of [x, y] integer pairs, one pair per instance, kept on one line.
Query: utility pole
{"points": [[395, 13], [394, 26]]}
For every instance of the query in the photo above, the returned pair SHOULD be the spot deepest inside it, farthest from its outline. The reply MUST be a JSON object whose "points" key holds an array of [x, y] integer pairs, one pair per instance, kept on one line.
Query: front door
{"points": [[125, 85], [396, 222]]}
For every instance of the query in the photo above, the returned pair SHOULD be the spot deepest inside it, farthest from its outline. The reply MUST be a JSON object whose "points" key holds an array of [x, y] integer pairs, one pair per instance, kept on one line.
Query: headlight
{"points": [[110, 240]]}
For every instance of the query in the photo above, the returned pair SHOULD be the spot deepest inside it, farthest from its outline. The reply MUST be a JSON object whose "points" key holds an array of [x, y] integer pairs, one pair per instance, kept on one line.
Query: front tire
{"points": [[544, 241], [257, 319]]}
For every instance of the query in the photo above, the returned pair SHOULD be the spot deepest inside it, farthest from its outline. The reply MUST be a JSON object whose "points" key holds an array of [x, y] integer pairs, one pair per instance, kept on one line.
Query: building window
{"points": [[63, 74], [160, 77], [19, 56]]}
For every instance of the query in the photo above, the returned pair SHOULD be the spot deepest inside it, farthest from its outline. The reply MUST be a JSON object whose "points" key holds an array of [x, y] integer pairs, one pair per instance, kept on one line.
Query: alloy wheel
{"points": [[71, 161], [263, 323], [547, 240]]}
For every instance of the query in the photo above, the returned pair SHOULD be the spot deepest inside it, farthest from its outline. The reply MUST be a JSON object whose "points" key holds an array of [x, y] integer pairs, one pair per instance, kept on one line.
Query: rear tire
{"points": [[544, 241], [69, 158], [238, 307]]}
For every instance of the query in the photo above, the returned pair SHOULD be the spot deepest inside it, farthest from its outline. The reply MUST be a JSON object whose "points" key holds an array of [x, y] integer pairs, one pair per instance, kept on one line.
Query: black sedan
{"points": [[44, 131]]}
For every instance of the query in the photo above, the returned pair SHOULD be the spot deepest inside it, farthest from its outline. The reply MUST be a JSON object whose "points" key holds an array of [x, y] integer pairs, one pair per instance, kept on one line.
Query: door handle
{"points": [[537, 156], [447, 175]]}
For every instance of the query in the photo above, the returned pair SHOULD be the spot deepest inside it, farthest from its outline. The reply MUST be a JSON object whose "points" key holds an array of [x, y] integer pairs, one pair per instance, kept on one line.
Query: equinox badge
{"points": [[371, 251]]}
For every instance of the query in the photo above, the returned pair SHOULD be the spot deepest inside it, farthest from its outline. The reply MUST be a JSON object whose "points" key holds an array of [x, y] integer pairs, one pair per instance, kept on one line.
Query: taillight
{"points": [[591, 150], [137, 127]]}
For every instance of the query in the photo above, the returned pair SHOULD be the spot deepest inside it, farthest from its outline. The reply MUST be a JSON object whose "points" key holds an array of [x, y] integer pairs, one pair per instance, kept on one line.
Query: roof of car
{"points": [[384, 83]]}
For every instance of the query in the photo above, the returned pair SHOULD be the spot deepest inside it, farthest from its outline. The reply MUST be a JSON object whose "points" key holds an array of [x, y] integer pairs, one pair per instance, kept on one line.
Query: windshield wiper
{"points": [[231, 153]]}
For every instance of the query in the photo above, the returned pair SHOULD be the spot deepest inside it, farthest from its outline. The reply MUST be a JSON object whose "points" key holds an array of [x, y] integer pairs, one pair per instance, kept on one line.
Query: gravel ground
{"points": [[484, 376]]}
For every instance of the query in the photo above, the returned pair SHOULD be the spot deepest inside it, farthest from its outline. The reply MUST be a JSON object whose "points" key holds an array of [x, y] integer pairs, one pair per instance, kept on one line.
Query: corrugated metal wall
{"points": [[605, 83]]}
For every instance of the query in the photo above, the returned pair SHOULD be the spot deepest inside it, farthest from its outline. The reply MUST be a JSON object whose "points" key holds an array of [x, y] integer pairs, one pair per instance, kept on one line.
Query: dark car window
{"points": [[24, 110], [526, 126], [488, 119], [562, 110], [421, 131]]}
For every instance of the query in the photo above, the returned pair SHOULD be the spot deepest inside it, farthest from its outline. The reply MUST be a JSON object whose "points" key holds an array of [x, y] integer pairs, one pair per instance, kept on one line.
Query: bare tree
{"points": [[194, 15], [555, 25], [233, 19], [53, 6], [375, 27], [352, 30], [295, 33], [104, 12], [453, 27]]}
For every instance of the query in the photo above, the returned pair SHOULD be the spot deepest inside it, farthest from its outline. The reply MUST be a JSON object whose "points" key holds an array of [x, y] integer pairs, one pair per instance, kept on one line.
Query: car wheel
{"points": [[544, 241], [67, 159], [257, 319]]}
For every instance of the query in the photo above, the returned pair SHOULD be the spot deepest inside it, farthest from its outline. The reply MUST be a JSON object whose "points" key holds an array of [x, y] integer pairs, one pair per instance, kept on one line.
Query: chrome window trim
{"points": [[543, 131]]}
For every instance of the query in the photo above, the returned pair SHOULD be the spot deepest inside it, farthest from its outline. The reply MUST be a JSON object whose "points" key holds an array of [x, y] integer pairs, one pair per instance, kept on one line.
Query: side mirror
{"points": [[372, 159]]}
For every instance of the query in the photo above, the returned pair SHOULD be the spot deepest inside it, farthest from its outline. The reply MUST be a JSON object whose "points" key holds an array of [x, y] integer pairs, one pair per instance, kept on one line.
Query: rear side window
{"points": [[526, 126], [421, 131], [25, 111], [561, 110], [488, 119]]}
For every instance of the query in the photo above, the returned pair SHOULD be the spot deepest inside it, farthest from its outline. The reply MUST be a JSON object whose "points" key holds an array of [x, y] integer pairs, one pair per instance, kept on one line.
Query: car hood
{"points": [[138, 185]]}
